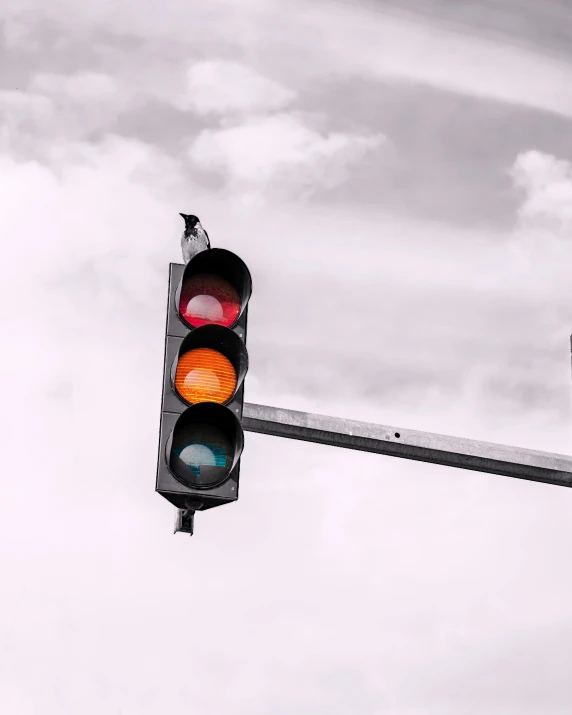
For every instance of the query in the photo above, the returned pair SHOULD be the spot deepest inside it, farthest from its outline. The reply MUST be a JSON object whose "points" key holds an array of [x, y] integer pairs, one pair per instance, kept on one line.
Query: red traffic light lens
{"points": [[205, 375], [208, 298], [203, 445]]}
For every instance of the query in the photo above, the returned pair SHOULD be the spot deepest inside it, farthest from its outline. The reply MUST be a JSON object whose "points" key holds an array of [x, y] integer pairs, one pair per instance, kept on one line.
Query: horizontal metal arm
{"points": [[422, 446]]}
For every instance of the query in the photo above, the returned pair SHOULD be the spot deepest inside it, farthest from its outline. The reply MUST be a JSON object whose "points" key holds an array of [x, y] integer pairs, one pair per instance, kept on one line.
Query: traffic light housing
{"points": [[201, 437]]}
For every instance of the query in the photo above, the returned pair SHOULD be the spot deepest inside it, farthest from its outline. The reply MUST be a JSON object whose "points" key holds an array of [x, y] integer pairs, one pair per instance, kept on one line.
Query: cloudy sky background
{"points": [[398, 177]]}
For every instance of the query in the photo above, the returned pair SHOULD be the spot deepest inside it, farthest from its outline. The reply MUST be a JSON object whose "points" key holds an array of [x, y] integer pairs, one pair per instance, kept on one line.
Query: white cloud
{"points": [[59, 108], [22, 114], [79, 87], [369, 42], [546, 183], [280, 148], [223, 87], [17, 104]]}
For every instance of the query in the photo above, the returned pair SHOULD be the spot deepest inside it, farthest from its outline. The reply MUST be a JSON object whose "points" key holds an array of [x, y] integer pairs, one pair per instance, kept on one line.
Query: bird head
{"points": [[190, 220]]}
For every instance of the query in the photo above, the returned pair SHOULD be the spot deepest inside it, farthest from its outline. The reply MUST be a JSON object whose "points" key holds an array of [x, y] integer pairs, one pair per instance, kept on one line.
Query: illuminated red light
{"points": [[209, 299]]}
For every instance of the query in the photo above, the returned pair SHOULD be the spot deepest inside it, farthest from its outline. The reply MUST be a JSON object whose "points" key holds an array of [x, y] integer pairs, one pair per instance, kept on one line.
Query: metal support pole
{"points": [[409, 444]]}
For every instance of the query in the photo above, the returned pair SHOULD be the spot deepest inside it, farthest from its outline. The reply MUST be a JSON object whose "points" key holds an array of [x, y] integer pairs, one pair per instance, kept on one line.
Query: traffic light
{"points": [[201, 437]]}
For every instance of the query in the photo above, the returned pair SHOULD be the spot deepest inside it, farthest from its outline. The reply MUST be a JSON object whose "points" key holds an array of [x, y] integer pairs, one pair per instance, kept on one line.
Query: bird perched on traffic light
{"points": [[194, 239]]}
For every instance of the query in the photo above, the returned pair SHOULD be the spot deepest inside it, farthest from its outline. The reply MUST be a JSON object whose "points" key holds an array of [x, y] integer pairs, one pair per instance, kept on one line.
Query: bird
{"points": [[194, 239]]}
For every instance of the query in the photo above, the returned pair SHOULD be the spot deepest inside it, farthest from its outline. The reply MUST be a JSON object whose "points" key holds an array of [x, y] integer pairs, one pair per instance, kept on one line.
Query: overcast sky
{"points": [[398, 177]]}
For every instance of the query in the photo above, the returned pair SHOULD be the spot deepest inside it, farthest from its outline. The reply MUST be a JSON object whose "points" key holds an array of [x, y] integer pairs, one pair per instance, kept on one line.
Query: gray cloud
{"points": [[453, 165], [524, 23]]}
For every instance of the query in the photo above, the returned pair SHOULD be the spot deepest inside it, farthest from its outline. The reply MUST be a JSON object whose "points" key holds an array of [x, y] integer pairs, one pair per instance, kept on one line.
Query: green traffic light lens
{"points": [[202, 445]]}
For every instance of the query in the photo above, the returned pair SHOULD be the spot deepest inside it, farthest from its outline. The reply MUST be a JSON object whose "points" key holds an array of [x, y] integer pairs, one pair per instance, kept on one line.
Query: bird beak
{"points": [[183, 215]]}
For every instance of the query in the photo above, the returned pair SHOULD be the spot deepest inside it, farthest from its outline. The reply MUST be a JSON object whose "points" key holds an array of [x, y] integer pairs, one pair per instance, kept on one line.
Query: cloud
{"points": [[59, 108], [354, 39], [20, 107], [224, 87], [80, 87], [546, 184], [366, 41], [282, 148]]}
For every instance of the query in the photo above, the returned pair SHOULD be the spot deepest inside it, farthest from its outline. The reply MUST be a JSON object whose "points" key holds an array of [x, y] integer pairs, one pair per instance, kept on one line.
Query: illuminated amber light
{"points": [[205, 375]]}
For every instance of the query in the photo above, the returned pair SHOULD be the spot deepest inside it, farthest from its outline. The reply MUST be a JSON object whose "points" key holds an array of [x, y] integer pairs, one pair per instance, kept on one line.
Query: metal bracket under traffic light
{"points": [[201, 436]]}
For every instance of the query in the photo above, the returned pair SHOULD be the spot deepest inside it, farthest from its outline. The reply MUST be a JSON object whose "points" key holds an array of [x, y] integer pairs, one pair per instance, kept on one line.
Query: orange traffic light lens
{"points": [[208, 299], [205, 375]]}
